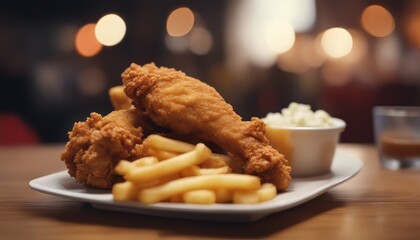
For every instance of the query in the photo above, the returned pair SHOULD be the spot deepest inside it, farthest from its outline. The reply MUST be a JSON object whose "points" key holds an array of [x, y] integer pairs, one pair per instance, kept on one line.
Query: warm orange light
{"points": [[377, 21], [412, 29], [180, 22], [86, 43]]}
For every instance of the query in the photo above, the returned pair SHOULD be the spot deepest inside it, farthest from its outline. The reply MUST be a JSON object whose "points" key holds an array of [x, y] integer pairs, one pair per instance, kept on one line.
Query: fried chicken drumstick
{"points": [[99, 143], [190, 107]]}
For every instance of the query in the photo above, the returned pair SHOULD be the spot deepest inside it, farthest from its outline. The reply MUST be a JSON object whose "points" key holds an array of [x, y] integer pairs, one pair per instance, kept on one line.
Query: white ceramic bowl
{"points": [[310, 150]]}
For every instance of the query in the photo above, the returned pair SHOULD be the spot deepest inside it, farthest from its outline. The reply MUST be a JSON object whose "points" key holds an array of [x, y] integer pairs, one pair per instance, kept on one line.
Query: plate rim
{"points": [[262, 209]]}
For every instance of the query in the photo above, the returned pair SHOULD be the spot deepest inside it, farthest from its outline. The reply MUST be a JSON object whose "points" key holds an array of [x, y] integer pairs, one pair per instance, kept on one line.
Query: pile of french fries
{"points": [[180, 172]]}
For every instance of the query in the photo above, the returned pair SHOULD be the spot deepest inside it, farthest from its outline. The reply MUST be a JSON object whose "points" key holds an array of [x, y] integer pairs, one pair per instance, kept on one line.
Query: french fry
{"points": [[124, 191], [216, 161], [170, 166], [223, 195], [190, 171], [180, 172], [161, 154], [145, 161], [118, 98], [220, 170], [199, 197], [196, 171], [156, 182], [167, 144], [164, 148], [266, 192], [124, 167], [209, 182], [176, 199], [245, 197]]}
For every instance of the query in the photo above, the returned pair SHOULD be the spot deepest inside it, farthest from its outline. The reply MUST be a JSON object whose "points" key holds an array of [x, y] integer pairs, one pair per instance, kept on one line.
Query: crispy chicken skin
{"points": [[98, 144], [190, 107]]}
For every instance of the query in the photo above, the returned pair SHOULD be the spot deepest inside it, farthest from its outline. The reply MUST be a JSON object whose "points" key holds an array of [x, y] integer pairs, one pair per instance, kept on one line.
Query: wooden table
{"points": [[376, 204]]}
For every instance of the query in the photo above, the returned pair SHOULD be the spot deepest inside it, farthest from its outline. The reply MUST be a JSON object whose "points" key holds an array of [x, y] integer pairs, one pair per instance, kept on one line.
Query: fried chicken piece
{"points": [[190, 107], [99, 143]]}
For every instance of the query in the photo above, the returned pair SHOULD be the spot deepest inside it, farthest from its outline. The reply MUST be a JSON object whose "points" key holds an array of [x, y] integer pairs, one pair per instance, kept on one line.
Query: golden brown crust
{"points": [[190, 107], [96, 145]]}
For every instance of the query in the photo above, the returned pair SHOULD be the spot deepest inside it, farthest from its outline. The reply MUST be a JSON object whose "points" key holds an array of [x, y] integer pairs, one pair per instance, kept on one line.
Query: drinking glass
{"points": [[397, 136]]}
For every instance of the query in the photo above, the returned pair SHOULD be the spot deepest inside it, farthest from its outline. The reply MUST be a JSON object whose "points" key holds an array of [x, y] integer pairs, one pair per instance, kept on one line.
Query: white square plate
{"points": [[301, 190]]}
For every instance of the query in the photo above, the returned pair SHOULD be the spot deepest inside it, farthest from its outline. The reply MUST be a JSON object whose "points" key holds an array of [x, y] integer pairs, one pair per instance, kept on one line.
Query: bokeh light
{"points": [[412, 30], [359, 48], [336, 42], [176, 44], [110, 30], [180, 22], [314, 55], [377, 21], [387, 55], [302, 57], [64, 39], [300, 13], [47, 81], [91, 81], [201, 41], [86, 43], [280, 36], [258, 31]]}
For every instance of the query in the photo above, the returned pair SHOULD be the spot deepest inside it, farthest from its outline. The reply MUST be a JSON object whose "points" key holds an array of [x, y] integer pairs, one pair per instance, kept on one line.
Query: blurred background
{"points": [[58, 59]]}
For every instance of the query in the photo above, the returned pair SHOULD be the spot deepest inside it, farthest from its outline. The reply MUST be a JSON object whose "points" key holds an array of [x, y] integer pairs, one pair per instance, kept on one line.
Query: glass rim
{"points": [[397, 111]]}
